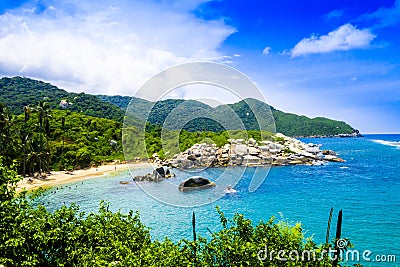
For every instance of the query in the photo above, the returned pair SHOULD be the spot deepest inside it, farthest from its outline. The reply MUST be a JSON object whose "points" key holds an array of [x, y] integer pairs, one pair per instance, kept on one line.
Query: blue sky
{"points": [[338, 59]]}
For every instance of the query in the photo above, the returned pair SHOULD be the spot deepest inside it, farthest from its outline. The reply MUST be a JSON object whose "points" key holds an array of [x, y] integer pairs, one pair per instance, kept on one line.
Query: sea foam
{"points": [[388, 143]]}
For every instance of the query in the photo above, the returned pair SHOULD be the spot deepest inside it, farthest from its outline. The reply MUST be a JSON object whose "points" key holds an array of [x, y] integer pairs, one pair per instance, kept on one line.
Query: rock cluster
{"points": [[238, 152], [158, 175]]}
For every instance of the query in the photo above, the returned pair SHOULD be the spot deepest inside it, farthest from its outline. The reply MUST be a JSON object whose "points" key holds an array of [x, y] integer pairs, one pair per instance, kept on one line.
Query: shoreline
{"points": [[61, 177]]}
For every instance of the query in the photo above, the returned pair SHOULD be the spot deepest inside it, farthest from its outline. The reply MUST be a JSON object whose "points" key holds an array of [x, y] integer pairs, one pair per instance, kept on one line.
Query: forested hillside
{"points": [[18, 92], [286, 123], [43, 139]]}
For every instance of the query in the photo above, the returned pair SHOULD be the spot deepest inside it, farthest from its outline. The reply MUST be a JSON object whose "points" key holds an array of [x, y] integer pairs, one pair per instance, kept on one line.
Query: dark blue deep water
{"points": [[366, 187]]}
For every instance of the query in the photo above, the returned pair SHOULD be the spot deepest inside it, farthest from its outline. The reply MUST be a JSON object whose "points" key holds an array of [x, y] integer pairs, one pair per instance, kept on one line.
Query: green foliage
{"points": [[120, 101], [8, 181], [40, 142], [220, 118], [240, 243], [8, 136], [123, 101], [87, 140], [295, 125], [18, 92]]}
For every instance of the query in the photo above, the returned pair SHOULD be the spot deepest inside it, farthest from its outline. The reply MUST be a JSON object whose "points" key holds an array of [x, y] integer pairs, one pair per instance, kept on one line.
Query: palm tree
{"points": [[6, 139], [62, 149], [24, 136], [4, 118], [44, 115]]}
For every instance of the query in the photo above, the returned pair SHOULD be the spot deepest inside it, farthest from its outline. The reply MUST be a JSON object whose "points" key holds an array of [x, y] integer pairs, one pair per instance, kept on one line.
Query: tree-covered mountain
{"points": [[286, 123], [18, 92], [189, 115]]}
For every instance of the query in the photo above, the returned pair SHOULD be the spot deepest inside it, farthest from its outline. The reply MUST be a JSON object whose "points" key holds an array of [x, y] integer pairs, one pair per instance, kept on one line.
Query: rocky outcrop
{"points": [[238, 152], [355, 133], [195, 182], [158, 175]]}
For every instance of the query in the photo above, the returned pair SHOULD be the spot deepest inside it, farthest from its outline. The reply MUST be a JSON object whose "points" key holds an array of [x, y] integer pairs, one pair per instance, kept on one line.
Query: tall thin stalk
{"points": [[194, 239], [337, 239], [329, 227]]}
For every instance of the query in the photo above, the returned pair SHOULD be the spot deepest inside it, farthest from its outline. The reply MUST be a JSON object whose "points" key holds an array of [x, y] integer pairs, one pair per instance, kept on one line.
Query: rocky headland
{"points": [[355, 134], [283, 150]]}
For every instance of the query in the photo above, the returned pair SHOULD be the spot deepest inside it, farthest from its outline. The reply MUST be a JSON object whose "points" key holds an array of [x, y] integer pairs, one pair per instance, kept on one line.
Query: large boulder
{"points": [[254, 151], [161, 171], [252, 141], [195, 182], [313, 150], [186, 164], [241, 150], [263, 148], [333, 158], [250, 160]]}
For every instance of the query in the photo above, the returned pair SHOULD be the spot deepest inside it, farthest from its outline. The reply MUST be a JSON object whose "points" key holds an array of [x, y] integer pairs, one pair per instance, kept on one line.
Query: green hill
{"points": [[286, 123], [172, 114], [18, 92]]}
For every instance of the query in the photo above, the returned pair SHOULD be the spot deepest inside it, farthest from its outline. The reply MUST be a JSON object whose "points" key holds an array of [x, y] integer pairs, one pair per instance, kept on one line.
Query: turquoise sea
{"points": [[366, 187]]}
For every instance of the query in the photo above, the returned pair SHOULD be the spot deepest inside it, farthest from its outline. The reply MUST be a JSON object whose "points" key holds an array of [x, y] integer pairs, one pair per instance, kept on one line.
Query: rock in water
{"points": [[158, 175], [160, 171], [195, 182]]}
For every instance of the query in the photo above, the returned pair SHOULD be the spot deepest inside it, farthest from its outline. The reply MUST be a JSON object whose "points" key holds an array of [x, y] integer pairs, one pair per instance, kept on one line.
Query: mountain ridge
{"points": [[287, 123], [18, 92]]}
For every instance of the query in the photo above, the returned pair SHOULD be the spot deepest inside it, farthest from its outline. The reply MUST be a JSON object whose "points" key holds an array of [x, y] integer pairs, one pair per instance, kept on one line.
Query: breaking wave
{"points": [[388, 143]]}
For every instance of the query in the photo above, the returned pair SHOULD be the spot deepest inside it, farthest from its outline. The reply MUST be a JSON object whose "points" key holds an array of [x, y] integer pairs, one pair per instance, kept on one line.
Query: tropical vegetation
{"points": [[286, 123], [18, 92], [42, 139]]}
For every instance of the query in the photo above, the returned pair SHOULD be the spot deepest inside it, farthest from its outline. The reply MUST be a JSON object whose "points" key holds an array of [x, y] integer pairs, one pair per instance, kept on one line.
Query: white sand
{"points": [[61, 177]]}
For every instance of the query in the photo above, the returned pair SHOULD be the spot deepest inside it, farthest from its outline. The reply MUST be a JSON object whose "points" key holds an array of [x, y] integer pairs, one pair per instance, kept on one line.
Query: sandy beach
{"points": [[61, 177]]}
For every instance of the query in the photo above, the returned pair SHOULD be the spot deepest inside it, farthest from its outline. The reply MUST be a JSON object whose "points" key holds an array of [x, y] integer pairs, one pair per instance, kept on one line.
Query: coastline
{"points": [[61, 177]]}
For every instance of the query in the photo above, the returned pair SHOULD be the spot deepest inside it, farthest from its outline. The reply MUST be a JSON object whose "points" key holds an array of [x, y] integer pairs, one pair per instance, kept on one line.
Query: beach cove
{"points": [[365, 187]]}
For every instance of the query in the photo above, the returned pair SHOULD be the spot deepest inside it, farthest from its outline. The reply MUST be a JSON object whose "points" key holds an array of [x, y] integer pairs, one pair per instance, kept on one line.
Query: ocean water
{"points": [[366, 187]]}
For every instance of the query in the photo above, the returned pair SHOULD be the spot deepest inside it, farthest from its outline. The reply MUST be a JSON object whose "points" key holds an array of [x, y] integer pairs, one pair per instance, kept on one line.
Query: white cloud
{"points": [[334, 14], [384, 17], [109, 47], [266, 50], [344, 38]]}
